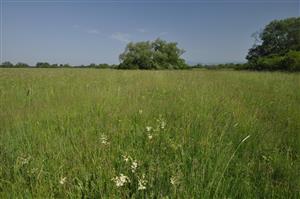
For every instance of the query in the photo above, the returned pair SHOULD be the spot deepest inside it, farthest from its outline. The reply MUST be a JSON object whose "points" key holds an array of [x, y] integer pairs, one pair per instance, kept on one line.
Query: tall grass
{"points": [[73, 133]]}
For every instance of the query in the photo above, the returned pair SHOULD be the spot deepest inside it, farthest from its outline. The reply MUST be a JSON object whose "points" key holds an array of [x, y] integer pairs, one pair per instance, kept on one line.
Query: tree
{"points": [[158, 54], [7, 64], [43, 65], [21, 65], [277, 38]]}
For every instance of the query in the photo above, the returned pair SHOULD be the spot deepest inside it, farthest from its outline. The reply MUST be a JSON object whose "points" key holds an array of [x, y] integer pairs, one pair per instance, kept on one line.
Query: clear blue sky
{"points": [[83, 31]]}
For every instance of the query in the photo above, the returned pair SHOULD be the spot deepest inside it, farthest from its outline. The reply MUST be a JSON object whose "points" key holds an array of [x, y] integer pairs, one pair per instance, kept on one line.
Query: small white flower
{"points": [[140, 111], [142, 183], [134, 166], [163, 124], [121, 180], [24, 161], [63, 180], [150, 136], [173, 180], [126, 158], [104, 140], [148, 128]]}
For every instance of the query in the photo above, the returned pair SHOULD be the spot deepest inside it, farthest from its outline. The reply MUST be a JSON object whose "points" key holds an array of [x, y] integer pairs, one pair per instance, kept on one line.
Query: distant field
{"points": [[71, 133]]}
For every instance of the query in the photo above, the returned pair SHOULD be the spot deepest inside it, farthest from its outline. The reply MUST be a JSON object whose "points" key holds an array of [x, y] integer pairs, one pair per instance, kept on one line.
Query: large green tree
{"points": [[277, 38], [158, 54]]}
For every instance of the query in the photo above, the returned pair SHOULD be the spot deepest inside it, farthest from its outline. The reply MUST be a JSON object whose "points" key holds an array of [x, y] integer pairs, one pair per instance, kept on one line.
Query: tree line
{"points": [[48, 65], [276, 47]]}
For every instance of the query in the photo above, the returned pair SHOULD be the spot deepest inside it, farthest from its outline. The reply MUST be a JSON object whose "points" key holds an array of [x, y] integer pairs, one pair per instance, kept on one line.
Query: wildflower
{"points": [[24, 161], [121, 180], [163, 124], [173, 180], [126, 158], [140, 111], [142, 183], [150, 136], [104, 140], [63, 180], [134, 166], [148, 128]]}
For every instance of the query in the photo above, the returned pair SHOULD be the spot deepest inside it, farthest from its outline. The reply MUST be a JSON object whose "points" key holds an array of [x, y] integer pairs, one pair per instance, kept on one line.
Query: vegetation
{"points": [[279, 47], [149, 134], [158, 54]]}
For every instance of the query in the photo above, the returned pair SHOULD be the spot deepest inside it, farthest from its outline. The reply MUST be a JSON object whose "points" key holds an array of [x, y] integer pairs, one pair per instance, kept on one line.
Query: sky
{"points": [[90, 31]]}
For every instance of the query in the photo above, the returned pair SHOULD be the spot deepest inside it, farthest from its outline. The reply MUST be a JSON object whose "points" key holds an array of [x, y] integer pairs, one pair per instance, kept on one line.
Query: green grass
{"points": [[75, 126]]}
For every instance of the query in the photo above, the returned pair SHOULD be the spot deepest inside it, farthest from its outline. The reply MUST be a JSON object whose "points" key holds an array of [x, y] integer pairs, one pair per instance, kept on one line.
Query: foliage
{"points": [[149, 134], [158, 54], [10, 65], [42, 65], [290, 62], [277, 39]]}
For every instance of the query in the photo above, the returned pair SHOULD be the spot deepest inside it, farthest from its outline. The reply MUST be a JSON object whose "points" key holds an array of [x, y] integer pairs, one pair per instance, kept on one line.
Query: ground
{"points": [[88, 133]]}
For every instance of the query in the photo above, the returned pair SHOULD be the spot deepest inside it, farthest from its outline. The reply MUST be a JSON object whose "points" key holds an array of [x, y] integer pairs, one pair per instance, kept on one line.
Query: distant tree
{"points": [[66, 66], [43, 65], [277, 38], [21, 65], [104, 66], [7, 64], [92, 65], [158, 54]]}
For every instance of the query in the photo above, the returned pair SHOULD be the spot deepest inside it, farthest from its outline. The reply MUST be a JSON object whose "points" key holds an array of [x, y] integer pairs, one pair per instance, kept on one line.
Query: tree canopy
{"points": [[158, 54], [278, 41]]}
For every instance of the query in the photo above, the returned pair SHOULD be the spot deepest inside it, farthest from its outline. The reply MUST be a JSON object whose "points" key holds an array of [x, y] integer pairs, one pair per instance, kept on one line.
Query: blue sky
{"points": [[83, 32]]}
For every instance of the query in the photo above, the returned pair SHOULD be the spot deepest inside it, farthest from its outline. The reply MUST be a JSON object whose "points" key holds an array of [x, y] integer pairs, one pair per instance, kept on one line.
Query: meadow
{"points": [[88, 133]]}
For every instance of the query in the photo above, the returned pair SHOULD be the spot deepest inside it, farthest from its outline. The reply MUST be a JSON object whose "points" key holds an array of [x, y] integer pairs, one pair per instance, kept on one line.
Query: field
{"points": [[88, 133]]}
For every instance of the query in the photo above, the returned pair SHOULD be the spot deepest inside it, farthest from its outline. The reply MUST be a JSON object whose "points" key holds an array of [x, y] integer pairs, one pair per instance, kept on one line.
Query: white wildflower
{"points": [[23, 161], [173, 180], [134, 166], [126, 158], [142, 183], [140, 111], [163, 124], [121, 180], [150, 136], [148, 128], [63, 180], [104, 140]]}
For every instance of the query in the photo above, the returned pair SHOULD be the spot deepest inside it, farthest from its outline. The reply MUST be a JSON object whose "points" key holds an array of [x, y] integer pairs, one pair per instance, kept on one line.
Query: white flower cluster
{"points": [[121, 180], [142, 183], [104, 139], [161, 125], [133, 165], [63, 180]]}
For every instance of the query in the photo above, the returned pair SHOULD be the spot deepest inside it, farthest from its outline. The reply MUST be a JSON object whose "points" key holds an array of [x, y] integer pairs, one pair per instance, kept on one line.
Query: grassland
{"points": [[71, 133]]}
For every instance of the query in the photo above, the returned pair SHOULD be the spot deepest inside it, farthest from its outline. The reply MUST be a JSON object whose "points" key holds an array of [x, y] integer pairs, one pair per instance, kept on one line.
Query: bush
{"points": [[288, 62], [292, 61], [273, 62]]}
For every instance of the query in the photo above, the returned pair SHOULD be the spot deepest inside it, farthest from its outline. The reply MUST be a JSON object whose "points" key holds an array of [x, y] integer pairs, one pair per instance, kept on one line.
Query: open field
{"points": [[68, 133]]}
